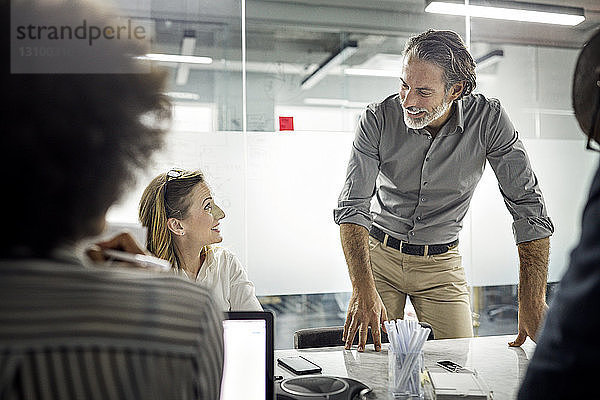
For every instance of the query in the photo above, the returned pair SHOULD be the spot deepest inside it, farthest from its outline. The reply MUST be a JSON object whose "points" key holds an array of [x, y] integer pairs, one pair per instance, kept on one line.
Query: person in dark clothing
{"points": [[565, 362], [81, 123]]}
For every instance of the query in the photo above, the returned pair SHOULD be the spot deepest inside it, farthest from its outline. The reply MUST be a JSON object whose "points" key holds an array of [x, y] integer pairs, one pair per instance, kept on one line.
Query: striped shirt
{"points": [[72, 332]]}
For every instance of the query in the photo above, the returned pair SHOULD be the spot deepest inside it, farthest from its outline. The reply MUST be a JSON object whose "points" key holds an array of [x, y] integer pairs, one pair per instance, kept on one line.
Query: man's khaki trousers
{"points": [[436, 285]]}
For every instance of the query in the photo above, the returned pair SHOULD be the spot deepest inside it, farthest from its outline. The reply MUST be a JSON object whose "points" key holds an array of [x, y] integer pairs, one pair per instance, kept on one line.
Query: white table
{"points": [[501, 367]]}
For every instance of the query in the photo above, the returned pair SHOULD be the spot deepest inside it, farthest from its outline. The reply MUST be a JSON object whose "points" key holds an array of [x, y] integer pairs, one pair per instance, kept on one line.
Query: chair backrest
{"points": [[332, 336]]}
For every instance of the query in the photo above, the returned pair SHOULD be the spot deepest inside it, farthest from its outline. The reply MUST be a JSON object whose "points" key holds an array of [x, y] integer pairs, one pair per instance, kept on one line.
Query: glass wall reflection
{"points": [[279, 180]]}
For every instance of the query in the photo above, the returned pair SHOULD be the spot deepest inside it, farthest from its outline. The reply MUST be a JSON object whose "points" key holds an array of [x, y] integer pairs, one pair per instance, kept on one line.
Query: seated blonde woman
{"points": [[183, 224]]}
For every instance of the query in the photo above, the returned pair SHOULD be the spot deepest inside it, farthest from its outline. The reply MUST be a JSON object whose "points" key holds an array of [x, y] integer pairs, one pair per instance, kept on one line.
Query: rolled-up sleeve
{"points": [[517, 181], [354, 202]]}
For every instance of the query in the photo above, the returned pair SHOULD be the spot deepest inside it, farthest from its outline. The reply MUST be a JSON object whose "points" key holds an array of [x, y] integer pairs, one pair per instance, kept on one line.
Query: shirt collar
{"points": [[460, 118], [456, 122], [208, 264]]}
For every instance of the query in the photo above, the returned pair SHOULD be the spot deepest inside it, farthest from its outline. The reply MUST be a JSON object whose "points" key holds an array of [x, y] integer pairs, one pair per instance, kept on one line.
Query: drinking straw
{"points": [[389, 329], [411, 338], [403, 334], [406, 342], [417, 342]]}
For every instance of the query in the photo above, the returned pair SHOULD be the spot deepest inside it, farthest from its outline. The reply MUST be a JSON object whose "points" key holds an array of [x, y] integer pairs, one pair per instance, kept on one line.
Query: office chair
{"points": [[332, 336], [501, 301]]}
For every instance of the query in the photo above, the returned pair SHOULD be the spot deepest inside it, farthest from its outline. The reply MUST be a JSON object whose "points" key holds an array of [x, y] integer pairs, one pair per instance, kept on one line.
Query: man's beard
{"points": [[428, 118]]}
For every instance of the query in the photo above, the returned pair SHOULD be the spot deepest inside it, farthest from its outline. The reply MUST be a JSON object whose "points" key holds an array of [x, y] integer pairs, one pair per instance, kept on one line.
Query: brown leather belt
{"points": [[412, 249]]}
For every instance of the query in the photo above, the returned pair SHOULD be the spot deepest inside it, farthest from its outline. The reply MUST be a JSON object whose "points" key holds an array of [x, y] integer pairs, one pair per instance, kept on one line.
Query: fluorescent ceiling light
{"points": [[176, 58], [336, 58], [183, 95], [334, 102], [484, 61], [372, 72], [510, 10], [489, 59], [188, 44]]}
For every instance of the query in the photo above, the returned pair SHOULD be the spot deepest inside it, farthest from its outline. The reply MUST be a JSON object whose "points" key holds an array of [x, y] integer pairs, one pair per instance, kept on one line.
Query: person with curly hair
{"points": [[72, 141]]}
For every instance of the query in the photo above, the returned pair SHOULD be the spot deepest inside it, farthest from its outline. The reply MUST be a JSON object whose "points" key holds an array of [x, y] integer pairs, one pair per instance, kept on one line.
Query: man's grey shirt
{"points": [[423, 186]]}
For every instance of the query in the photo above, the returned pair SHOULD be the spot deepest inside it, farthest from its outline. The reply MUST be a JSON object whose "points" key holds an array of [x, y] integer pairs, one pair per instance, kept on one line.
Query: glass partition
{"points": [[206, 133], [311, 68]]}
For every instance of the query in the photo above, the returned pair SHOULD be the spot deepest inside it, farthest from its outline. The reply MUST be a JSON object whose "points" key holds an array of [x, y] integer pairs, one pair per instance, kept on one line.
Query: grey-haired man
{"points": [[421, 153]]}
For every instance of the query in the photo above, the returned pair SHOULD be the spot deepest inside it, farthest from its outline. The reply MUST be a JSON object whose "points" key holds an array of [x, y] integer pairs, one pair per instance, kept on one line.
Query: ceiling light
{"points": [[346, 50], [176, 58], [183, 95], [188, 44], [484, 61], [509, 10], [489, 59], [334, 102], [372, 72]]}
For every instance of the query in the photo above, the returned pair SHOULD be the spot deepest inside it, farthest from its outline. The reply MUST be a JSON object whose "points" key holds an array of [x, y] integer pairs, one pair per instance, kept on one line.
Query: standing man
{"points": [[421, 153], [565, 362]]}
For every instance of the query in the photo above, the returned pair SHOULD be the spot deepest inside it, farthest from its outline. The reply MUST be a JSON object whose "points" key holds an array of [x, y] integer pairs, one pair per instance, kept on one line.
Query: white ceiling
{"points": [[310, 21], [300, 34]]}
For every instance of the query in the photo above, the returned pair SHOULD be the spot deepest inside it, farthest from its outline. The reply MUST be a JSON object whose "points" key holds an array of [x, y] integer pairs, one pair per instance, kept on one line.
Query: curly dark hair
{"points": [[586, 87], [71, 143], [447, 50]]}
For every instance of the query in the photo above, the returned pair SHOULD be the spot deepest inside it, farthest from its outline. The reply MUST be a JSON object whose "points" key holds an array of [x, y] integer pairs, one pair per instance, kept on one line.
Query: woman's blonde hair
{"points": [[167, 196]]}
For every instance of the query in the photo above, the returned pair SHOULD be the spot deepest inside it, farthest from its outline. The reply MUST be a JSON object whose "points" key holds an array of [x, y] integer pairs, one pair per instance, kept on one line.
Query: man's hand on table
{"points": [[364, 310], [530, 322], [533, 275]]}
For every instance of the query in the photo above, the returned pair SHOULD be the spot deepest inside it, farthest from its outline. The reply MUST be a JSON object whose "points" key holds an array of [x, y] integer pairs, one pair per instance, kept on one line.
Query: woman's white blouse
{"points": [[223, 273]]}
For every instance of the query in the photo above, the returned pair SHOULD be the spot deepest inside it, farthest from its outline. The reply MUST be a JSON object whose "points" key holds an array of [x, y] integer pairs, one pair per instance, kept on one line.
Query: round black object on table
{"points": [[319, 387]]}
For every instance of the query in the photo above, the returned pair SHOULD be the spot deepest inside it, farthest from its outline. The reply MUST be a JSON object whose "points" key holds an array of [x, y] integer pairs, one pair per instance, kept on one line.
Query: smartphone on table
{"points": [[299, 365], [451, 366]]}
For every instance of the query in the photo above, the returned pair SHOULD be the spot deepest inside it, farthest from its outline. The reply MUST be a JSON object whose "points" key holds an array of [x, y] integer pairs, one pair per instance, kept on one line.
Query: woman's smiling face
{"points": [[202, 220]]}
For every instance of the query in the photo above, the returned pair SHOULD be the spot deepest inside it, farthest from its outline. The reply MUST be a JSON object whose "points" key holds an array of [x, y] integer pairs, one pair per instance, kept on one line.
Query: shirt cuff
{"points": [[347, 215], [532, 228]]}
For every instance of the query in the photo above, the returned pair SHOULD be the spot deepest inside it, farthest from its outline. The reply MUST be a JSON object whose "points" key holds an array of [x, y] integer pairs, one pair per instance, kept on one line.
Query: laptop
{"points": [[248, 368]]}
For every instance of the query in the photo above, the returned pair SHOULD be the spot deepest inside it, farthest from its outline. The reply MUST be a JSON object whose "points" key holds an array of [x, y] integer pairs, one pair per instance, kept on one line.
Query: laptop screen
{"points": [[248, 366]]}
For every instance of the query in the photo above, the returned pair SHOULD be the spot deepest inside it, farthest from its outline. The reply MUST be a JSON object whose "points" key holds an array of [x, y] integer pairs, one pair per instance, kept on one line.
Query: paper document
{"points": [[465, 386]]}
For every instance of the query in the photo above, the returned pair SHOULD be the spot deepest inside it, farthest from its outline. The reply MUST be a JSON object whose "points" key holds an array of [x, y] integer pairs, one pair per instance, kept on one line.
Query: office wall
{"points": [[564, 171], [293, 180]]}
